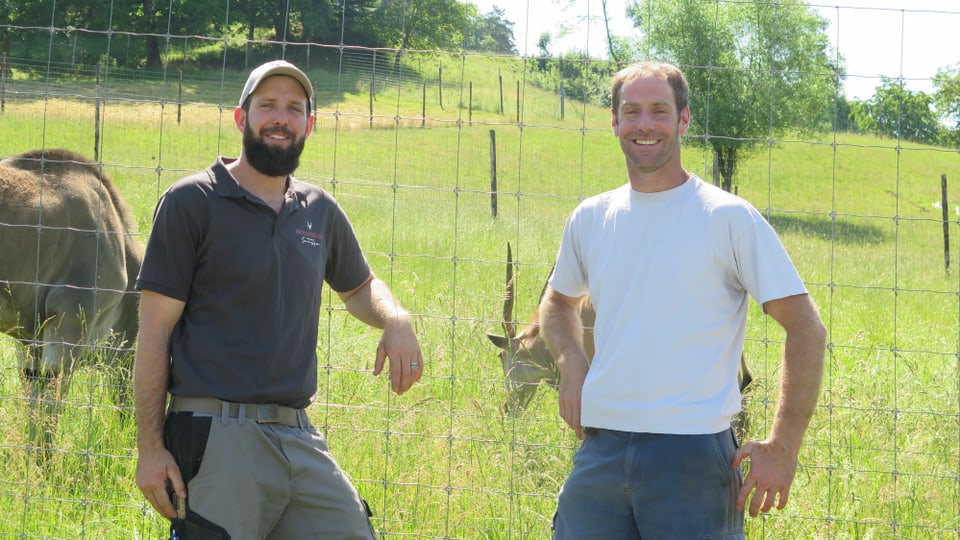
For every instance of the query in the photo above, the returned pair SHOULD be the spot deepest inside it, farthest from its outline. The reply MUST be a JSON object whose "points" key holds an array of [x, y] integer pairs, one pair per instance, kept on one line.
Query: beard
{"points": [[272, 160]]}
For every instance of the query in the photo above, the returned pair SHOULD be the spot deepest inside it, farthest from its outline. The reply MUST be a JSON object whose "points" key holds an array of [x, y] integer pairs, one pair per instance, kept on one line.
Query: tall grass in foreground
{"points": [[857, 215]]}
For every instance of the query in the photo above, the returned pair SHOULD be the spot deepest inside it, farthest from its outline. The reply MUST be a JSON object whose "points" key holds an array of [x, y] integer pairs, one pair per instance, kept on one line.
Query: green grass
{"points": [[856, 214]]}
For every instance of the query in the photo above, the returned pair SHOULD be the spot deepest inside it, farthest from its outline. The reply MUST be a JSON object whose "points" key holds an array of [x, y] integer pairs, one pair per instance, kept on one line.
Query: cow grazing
{"points": [[527, 361], [67, 272]]}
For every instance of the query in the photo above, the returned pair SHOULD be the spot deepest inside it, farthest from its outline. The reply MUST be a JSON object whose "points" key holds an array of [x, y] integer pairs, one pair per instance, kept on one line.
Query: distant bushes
{"points": [[575, 75]]}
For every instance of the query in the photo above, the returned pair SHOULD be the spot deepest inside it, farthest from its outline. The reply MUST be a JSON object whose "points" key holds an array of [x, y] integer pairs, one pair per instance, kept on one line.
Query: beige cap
{"points": [[275, 67]]}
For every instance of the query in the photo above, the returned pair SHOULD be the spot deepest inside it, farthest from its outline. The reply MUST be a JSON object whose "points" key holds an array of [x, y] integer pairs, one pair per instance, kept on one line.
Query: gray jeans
{"points": [[259, 481]]}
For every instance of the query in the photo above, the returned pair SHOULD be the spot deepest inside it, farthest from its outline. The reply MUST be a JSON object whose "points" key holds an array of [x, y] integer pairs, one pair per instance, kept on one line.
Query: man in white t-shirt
{"points": [[670, 263]]}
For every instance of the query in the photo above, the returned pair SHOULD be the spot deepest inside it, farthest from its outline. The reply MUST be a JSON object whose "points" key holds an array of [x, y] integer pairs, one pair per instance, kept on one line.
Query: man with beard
{"points": [[229, 311]]}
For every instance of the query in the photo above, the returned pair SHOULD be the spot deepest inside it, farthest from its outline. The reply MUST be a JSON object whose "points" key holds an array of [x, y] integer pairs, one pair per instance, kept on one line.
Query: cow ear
{"points": [[499, 341]]}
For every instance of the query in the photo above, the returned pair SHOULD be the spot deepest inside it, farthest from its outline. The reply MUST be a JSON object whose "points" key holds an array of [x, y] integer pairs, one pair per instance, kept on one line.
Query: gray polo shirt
{"points": [[251, 280]]}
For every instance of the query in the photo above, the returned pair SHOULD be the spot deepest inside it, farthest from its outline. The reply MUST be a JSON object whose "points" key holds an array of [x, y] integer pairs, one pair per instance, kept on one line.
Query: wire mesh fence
{"points": [[440, 158]]}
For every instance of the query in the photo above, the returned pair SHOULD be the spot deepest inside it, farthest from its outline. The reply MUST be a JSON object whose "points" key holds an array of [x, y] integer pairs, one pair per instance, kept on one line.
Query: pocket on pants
{"points": [[185, 436]]}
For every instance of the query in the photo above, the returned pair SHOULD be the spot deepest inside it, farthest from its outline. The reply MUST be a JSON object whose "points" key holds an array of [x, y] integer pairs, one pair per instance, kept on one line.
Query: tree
{"points": [[9, 15], [843, 115], [895, 111], [491, 32], [422, 24], [947, 94], [756, 69], [149, 19]]}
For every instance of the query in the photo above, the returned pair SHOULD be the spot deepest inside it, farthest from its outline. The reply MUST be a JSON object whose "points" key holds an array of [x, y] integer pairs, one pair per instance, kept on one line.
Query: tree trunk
{"points": [[153, 41], [726, 160], [606, 23], [153, 52], [251, 34]]}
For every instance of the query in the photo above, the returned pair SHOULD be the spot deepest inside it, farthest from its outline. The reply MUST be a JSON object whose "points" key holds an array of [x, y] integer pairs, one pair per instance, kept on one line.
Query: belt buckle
{"points": [[268, 413]]}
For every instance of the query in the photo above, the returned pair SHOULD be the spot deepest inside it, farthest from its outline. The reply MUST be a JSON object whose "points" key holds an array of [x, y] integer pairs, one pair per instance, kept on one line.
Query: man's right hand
{"points": [[570, 392], [155, 470], [562, 329]]}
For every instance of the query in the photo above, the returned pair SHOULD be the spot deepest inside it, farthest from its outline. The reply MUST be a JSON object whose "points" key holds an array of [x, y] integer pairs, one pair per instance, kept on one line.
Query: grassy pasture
{"points": [[856, 213]]}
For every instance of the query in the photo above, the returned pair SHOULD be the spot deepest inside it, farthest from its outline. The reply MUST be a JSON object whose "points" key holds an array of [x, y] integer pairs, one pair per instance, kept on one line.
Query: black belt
{"points": [[261, 413]]}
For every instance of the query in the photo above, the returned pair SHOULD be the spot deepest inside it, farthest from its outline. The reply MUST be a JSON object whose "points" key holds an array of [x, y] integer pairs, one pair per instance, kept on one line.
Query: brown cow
{"points": [[67, 271], [527, 361]]}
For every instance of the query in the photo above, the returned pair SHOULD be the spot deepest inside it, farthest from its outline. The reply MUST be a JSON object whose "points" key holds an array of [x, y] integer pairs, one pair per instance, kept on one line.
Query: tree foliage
{"points": [[422, 24], [491, 32], [895, 111], [756, 69], [575, 75], [400, 24], [947, 99], [947, 95]]}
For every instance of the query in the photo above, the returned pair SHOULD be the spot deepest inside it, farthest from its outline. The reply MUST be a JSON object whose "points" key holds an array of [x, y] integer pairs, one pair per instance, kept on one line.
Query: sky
{"points": [[912, 39]]}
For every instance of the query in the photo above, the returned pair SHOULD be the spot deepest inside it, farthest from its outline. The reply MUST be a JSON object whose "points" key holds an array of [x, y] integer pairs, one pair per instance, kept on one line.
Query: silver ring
{"points": [[414, 365]]}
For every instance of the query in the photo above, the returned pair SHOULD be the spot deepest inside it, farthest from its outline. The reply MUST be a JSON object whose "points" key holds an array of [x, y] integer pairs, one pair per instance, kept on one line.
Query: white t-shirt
{"points": [[669, 274]]}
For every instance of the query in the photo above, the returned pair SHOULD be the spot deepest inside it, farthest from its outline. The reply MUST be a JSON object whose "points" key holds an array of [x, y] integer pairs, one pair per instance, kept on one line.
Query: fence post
{"points": [[518, 101], [493, 172], [179, 95], [563, 95], [470, 105], [3, 82], [440, 84], [423, 106], [96, 119], [945, 207], [500, 77], [373, 75]]}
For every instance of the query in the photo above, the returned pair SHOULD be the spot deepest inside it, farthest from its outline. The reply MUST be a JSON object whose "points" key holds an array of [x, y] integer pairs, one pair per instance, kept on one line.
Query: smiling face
{"points": [[649, 126], [275, 126]]}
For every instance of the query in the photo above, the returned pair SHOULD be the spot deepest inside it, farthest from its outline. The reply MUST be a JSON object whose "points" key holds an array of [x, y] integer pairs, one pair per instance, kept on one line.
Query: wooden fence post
{"points": [[500, 77], [518, 101], [945, 206], [179, 95], [493, 172], [563, 104], [3, 82], [373, 72], [96, 120]]}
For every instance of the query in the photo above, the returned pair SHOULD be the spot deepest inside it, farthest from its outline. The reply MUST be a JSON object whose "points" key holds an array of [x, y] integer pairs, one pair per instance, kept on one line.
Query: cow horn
{"points": [[509, 326]]}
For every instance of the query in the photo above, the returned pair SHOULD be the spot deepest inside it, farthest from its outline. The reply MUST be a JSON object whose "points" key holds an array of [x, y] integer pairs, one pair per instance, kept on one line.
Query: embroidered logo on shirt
{"points": [[308, 236]]}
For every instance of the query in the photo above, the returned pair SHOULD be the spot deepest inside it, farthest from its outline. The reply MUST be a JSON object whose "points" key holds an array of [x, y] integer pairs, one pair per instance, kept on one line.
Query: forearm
{"points": [[801, 378], [157, 471], [374, 304], [562, 330], [151, 373]]}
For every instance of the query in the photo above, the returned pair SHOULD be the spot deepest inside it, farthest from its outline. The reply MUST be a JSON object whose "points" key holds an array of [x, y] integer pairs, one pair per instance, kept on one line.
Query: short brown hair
{"points": [[660, 70]]}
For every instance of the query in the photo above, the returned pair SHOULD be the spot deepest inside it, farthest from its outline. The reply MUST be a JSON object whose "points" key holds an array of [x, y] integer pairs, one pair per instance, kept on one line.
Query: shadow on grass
{"points": [[827, 228]]}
